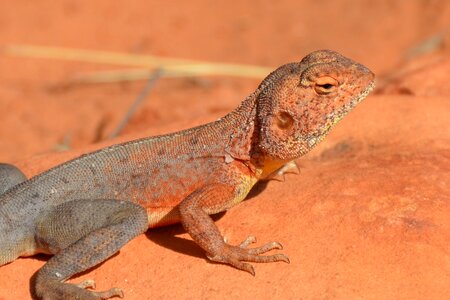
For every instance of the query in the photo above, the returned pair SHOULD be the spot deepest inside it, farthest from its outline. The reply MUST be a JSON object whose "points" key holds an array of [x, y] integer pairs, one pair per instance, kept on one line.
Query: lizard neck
{"points": [[243, 135], [239, 130]]}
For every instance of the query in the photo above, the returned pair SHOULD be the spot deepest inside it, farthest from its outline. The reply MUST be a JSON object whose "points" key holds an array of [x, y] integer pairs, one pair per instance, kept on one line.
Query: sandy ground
{"points": [[369, 215]]}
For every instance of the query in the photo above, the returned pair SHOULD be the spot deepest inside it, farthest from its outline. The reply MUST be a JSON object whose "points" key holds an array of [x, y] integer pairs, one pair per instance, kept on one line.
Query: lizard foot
{"points": [[288, 168], [236, 255], [52, 290], [113, 292]]}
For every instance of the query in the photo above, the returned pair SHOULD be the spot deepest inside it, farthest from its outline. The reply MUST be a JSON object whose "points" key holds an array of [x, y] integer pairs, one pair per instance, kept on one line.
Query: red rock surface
{"points": [[369, 215]]}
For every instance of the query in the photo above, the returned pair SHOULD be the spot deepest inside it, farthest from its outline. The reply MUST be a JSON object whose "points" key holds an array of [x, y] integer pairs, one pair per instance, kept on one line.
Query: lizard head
{"points": [[299, 103]]}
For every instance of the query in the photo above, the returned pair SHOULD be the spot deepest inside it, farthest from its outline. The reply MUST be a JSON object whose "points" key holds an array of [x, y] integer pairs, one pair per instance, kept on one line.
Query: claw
{"points": [[242, 266], [283, 258], [250, 270], [249, 240]]}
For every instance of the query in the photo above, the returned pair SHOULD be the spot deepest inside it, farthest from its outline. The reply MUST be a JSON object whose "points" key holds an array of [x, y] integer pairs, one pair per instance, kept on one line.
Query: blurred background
{"points": [[47, 105]]}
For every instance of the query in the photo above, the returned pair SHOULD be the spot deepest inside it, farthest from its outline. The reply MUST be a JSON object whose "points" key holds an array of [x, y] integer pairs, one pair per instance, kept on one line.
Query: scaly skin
{"points": [[85, 210]]}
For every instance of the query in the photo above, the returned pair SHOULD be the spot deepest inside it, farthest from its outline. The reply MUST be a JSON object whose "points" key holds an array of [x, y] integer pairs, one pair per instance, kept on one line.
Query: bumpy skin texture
{"points": [[85, 210], [9, 177]]}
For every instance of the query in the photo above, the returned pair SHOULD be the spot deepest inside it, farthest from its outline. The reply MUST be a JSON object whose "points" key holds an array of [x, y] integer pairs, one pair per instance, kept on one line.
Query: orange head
{"points": [[300, 102]]}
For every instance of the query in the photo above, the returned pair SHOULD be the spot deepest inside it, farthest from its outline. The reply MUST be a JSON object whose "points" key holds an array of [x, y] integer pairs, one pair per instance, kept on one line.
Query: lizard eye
{"points": [[325, 85]]}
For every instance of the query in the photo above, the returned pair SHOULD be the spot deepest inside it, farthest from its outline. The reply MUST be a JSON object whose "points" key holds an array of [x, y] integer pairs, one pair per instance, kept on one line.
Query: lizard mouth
{"points": [[334, 117]]}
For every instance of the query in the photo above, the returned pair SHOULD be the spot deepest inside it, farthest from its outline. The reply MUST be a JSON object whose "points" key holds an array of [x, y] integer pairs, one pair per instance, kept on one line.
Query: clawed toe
{"points": [[53, 290], [242, 266], [259, 250], [88, 283], [113, 292], [266, 248], [249, 240], [238, 255]]}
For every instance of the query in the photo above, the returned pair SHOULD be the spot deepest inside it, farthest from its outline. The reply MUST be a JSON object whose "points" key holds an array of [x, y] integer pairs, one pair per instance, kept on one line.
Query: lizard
{"points": [[84, 210]]}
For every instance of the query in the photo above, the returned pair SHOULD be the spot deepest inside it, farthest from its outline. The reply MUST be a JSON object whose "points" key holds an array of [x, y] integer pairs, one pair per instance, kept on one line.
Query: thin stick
{"points": [[170, 65], [137, 102]]}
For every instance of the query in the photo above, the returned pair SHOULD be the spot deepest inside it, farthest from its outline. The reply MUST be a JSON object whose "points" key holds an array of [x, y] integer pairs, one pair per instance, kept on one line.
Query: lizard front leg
{"points": [[194, 212], [82, 234]]}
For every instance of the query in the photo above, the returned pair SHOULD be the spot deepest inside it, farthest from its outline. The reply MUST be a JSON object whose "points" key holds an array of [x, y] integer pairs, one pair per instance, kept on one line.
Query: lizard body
{"points": [[85, 210]]}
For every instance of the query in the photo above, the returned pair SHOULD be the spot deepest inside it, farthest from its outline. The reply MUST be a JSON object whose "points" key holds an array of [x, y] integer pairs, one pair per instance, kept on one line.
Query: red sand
{"points": [[369, 215]]}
